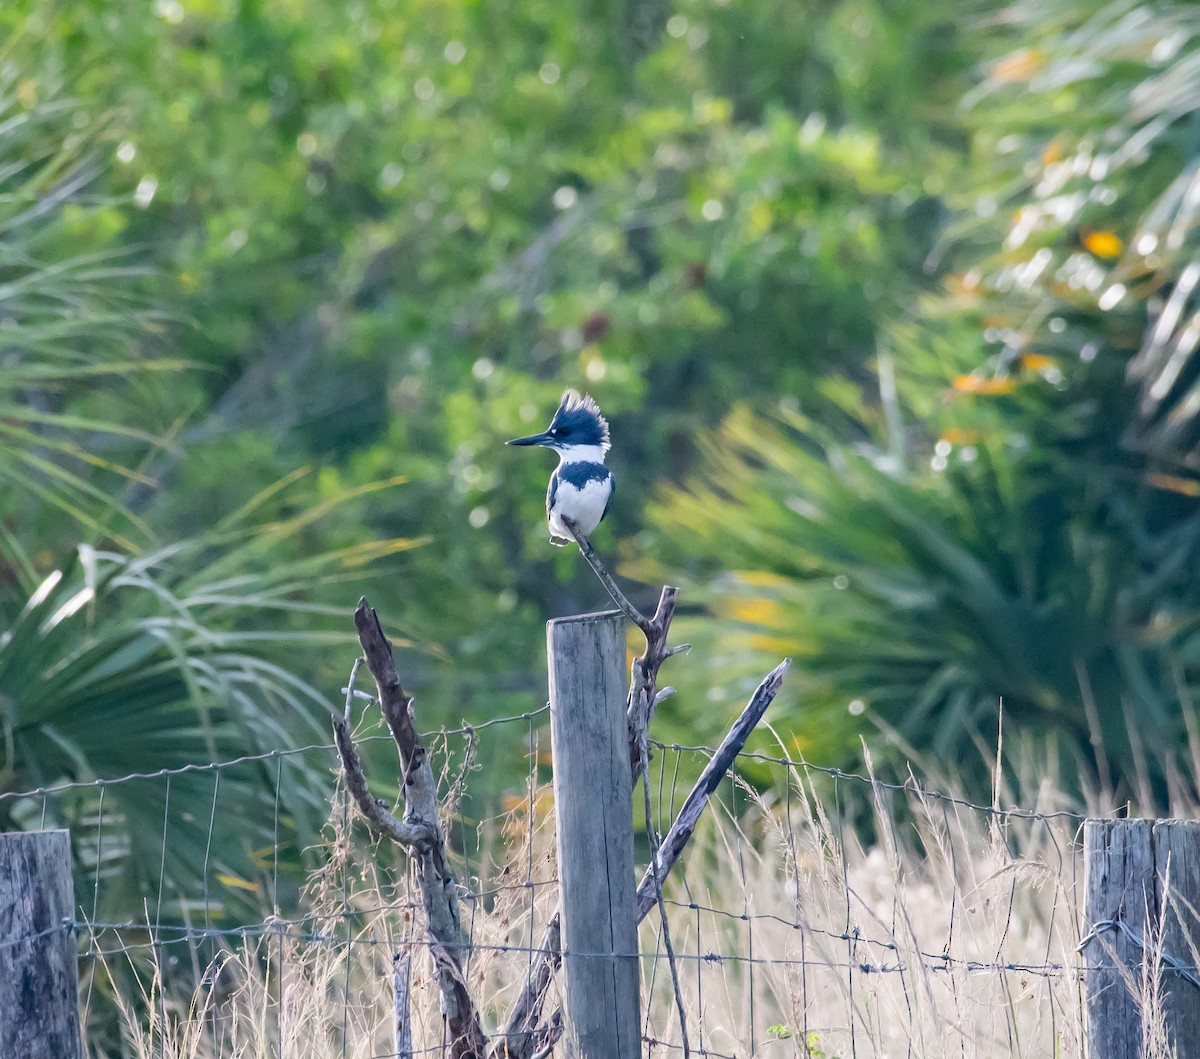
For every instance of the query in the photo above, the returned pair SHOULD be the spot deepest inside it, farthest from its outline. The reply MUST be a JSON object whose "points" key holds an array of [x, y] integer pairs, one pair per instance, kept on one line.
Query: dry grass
{"points": [[954, 933]]}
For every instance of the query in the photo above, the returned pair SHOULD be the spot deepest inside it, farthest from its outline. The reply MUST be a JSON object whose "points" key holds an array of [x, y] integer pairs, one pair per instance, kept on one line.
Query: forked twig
{"points": [[413, 835], [420, 832]]}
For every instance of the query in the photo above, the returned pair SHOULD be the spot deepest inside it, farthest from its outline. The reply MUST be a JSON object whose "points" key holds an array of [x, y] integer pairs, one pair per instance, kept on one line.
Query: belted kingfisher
{"points": [[581, 487]]}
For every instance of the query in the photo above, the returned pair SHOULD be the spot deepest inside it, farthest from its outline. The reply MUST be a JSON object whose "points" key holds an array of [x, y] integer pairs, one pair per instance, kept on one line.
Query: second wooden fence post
{"points": [[593, 797], [1143, 932], [39, 1003]]}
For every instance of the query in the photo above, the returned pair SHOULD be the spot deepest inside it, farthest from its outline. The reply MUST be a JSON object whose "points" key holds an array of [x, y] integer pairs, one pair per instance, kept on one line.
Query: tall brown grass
{"points": [[952, 932]]}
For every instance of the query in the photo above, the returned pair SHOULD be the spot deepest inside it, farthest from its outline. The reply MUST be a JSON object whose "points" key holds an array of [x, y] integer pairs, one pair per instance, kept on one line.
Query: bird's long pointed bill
{"points": [[534, 439]]}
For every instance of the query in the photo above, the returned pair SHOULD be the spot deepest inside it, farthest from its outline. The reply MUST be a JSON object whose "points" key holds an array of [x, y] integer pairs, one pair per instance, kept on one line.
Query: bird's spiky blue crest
{"points": [[579, 420]]}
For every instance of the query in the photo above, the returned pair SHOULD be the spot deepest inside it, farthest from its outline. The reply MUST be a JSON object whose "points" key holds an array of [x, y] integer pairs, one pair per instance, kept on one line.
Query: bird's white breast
{"points": [[582, 505]]}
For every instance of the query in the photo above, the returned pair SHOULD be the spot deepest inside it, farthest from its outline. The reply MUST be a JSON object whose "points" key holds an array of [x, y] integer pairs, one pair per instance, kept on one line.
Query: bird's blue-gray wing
{"points": [[551, 490], [612, 491]]}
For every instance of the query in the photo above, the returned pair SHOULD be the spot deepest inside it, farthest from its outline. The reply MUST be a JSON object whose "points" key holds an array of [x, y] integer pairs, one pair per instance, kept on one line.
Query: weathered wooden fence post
{"points": [[1140, 875], [593, 799], [39, 979]]}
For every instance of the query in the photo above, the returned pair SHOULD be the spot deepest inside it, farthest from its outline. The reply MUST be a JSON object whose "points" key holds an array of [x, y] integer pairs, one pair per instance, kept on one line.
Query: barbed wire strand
{"points": [[888, 949], [268, 755], [179, 934]]}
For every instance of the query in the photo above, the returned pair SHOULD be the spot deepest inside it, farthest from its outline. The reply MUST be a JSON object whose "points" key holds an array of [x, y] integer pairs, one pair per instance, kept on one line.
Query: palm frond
{"points": [[68, 320], [915, 605]]}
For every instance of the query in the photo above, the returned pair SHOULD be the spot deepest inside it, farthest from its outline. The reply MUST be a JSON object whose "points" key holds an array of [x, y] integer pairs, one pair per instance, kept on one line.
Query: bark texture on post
{"points": [[593, 796], [39, 977], [1142, 875], [1177, 893]]}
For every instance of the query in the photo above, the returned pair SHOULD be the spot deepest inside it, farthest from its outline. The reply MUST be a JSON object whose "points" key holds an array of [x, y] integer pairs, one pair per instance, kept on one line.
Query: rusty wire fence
{"points": [[816, 912]]}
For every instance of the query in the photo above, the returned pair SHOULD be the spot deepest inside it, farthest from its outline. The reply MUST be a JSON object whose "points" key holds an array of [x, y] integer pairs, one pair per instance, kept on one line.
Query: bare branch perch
{"points": [[420, 832], [419, 787], [643, 700], [710, 778], [393, 702], [606, 579]]}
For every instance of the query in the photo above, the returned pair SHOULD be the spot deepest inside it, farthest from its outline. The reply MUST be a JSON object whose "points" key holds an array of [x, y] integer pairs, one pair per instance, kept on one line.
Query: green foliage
{"points": [[812, 1041], [1031, 537], [1086, 230], [73, 313], [143, 649], [395, 232], [276, 254], [812, 1047], [181, 655], [919, 603]]}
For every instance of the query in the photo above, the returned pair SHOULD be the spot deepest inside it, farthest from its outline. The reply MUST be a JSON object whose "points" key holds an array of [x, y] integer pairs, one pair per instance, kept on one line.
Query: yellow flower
{"points": [[1037, 362], [988, 387], [1107, 245]]}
